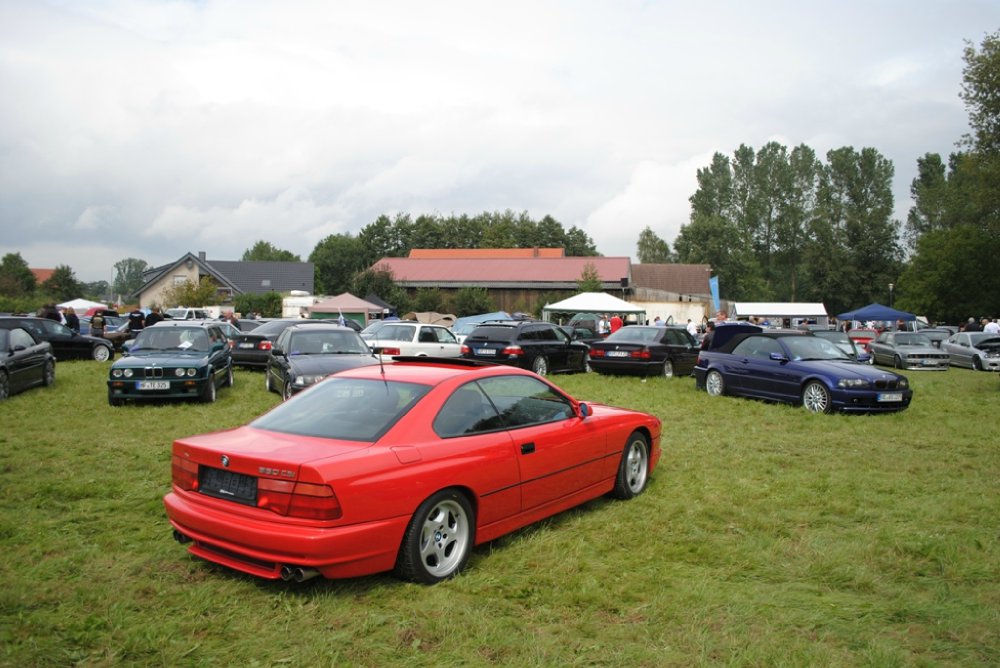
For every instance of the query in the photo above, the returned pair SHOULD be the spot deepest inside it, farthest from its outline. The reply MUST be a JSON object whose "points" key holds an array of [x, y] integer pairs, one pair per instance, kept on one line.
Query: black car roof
{"points": [[734, 334]]}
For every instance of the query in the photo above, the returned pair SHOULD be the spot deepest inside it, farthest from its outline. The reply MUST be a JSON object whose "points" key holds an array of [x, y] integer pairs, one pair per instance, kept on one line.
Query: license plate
{"points": [[486, 351], [931, 362], [227, 485], [890, 396], [154, 385], [617, 353], [245, 345]]}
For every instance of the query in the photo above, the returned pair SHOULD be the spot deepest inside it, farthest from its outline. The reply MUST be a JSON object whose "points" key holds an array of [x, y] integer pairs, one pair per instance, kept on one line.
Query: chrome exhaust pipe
{"points": [[302, 574], [287, 573], [181, 538]]}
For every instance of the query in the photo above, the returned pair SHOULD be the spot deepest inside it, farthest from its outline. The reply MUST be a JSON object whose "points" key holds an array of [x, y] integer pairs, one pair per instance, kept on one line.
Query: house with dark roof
{"points": [[232, 278]]}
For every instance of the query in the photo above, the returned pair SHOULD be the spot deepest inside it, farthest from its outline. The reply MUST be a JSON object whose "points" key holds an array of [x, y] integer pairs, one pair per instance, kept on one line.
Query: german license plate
{"points": [[486, 351], [890, 396], [245, 345], [617, 353], [227, 485], [154, 385]]}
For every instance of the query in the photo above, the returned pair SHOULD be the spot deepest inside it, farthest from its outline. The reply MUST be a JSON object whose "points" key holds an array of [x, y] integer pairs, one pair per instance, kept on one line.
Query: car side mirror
{"points": [[584, 410], [778, 357], [277, 352]]}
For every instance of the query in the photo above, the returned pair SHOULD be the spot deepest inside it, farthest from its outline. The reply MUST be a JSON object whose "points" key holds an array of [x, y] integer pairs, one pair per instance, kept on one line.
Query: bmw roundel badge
{"points": [[225, 461]]}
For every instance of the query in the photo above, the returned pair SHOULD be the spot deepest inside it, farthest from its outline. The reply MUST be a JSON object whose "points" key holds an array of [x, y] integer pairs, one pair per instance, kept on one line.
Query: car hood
{"points": [[847, 369], [258, 452], [992, 345], [310, 365], [917, 350], [161, 358]]}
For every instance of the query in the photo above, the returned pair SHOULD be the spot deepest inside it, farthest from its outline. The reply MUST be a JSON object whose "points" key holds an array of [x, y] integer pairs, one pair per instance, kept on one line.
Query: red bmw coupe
{"points": [[404, 467]]}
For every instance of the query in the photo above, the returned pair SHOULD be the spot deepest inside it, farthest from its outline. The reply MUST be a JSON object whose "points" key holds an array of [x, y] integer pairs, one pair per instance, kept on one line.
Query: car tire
{"points": [[668, 368], [438, 539], [209, 394], [586, 364], [540, 365], [633, 470], [4, 386], [49, 375], [286, 390], [897, 362], [229, 376], [100, 353], [816, 398], [977, 363], [267, 380], [871, 359], [715, 384]]}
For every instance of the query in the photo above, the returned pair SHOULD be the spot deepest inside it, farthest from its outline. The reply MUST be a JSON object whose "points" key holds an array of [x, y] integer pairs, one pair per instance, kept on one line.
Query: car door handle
{"points": [[527, 448]]}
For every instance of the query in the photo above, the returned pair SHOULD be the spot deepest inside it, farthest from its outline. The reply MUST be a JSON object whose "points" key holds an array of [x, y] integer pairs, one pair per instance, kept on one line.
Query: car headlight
{"points": [[178, 372], [302, 381], [903, 383], [116, 373], [852, 383], [192, 372], [128, 373]]}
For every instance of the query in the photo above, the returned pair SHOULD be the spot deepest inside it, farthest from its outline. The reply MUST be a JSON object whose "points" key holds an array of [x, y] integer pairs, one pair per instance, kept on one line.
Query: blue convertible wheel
{"points": [[816, 398], [714, 384]]}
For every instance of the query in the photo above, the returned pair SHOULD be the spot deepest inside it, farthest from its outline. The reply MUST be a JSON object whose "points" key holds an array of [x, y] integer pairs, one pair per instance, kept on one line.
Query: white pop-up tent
{"points": [[81, 305], [597, 303]]}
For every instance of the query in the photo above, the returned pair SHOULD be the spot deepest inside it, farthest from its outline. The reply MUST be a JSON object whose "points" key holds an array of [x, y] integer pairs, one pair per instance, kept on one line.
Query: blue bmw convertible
{"points": [[797, 368]]}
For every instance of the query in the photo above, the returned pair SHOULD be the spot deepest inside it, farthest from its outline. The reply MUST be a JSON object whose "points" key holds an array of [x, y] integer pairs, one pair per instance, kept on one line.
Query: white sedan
{"points": [[412, 339]]}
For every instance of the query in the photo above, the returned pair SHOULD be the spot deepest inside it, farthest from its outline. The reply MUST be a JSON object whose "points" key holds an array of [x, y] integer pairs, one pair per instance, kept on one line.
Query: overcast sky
{"points": [[150, 129]]}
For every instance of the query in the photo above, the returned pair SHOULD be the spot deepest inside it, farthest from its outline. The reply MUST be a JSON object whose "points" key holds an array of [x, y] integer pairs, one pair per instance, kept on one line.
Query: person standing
{"points": [[154, 317], [72, 320], [692, 328], [992, 327], [616, 323], [97, 325], [603, 325]]}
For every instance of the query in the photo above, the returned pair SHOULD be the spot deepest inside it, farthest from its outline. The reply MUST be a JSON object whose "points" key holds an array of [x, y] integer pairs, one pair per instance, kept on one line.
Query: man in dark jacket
{"points": [[154, 317], [136, 320]]}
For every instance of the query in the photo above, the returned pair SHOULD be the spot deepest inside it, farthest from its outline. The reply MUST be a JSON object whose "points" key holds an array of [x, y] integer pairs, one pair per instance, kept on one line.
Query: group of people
{"points": [[609, 325], [67, 317], [988, 325]]}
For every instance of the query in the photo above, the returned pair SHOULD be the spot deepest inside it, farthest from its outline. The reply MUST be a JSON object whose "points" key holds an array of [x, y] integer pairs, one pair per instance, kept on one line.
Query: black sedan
{"points": [[66, 344], [797, 368], [253, 348], [304, 355], [24, 362], [647, 351], [173, 359]]}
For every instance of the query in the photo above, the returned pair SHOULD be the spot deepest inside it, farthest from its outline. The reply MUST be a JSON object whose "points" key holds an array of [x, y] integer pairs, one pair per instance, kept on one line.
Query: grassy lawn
{"points": [[767, 536]]}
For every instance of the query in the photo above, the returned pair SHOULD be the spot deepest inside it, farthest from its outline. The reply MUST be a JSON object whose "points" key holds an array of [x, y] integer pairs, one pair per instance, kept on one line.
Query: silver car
{"points": [[908, 350], [974, 350]]}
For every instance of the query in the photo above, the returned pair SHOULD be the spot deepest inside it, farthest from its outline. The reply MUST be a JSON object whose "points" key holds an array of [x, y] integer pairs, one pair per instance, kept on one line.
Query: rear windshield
{"points": [[349, 409], [493, 333]]}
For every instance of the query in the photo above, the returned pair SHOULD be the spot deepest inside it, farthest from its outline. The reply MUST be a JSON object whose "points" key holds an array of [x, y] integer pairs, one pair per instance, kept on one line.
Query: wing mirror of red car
{"points": [[584, 410]]}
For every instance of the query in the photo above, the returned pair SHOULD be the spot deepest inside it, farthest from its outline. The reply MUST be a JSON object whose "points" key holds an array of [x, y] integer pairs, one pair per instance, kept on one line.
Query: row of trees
{"points": [[20, 291], [783, 225]]}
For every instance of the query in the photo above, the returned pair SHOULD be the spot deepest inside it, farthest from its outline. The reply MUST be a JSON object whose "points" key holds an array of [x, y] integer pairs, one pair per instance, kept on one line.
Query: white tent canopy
{"points": [[593, 302], [81, 305]]}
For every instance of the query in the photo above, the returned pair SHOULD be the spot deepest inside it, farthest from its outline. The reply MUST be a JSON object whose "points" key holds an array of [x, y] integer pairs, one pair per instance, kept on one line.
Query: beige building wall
{"points": [[153, 295]]}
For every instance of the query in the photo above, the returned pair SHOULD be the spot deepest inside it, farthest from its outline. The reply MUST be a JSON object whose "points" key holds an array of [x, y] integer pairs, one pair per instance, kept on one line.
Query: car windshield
{"points": [[182, 339], [912, 340], [349, 409], [805, 348], [327, 343]]}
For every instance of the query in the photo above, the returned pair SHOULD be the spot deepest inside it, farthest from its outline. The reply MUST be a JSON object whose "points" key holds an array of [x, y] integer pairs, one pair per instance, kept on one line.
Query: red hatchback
{"points": [[404, 467]]}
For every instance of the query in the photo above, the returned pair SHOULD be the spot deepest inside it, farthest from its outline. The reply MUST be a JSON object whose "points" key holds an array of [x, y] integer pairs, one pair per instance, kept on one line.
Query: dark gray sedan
{"points": [[306, 354], [908, 350]]}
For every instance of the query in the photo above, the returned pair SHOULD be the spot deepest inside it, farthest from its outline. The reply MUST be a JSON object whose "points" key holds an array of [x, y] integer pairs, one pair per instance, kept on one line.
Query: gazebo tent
{"points": [[80, 305], [591, 302], [877, 313], [780, 311], [346, 304]]}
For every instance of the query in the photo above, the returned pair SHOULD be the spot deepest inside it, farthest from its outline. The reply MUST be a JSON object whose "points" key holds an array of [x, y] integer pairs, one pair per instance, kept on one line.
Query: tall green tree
{"points": [[472, 301], [336, 260], [380, 281], [265, 251], [62, 284], [16, 279], [128, 275], [651, 249]]}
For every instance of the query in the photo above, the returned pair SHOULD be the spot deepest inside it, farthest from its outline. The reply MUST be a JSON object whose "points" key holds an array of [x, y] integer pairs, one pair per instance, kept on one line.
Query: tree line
{"points": [[784, 225]]}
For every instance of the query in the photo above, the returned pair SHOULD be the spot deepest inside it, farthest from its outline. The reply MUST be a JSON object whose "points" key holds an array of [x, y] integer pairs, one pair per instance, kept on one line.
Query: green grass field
{"points": [[767, 537]]}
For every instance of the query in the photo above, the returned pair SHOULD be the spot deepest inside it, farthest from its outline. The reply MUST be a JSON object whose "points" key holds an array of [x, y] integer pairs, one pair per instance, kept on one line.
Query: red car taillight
{"points": [[390, 351], [185, 473], [298, 499], [264, 345], [596, 352], [466, 349], [640, 354], [513, 351]]}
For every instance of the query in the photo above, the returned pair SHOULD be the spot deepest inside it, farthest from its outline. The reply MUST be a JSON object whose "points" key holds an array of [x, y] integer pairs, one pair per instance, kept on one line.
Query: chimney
{"points": [[201, 256]]}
